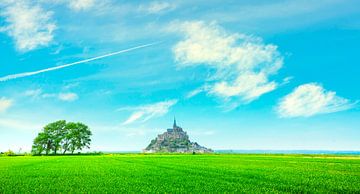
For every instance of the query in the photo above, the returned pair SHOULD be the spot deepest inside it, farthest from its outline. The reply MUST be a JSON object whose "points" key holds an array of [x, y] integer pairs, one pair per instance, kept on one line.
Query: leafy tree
{"points": [[56, 132], [42, 142], [68, 136], [61, 135], [79, 136], [9, 153]]}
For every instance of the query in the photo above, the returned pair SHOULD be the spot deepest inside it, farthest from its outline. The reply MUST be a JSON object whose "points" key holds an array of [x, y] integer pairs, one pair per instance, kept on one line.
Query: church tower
{"points": [[174, 125]]}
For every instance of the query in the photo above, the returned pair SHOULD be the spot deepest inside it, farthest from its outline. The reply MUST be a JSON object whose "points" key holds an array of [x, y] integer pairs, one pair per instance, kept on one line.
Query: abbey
{"points": [[174, 140]]}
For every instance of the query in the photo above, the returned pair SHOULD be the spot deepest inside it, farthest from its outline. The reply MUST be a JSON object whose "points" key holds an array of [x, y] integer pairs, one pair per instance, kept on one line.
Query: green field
{"points": [[180, 173]]}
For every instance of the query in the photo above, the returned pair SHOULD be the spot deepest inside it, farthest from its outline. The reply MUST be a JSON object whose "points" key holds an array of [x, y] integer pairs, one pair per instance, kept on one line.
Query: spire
{"points": [[174, 125]]}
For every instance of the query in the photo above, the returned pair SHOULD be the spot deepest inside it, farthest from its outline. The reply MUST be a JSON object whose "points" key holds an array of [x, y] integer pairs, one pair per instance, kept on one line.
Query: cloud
{"points": [[76, 5], [29, 25], [80, 5], [248, 85], [71, 85], [5, 103], [33, 93], [68, 96], [26, 74], [240, 64], [157, 7], [149, 111], [311, 99], [63, 96], [195, 92]]}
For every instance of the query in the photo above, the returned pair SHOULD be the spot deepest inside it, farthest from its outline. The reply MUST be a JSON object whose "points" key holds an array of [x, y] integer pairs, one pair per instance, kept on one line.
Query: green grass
{"points": [[180, 173]]}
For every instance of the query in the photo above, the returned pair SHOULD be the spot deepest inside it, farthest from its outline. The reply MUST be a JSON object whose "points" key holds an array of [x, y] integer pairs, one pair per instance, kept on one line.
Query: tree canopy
{"points": [[62, 136]]}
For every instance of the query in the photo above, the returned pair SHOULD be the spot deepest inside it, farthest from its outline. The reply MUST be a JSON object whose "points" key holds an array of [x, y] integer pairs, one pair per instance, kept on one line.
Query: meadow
{"points": [[247, 173]]}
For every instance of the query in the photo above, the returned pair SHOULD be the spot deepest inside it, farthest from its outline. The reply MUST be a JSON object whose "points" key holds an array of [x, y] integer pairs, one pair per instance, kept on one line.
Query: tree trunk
{"points": [[66, 146]]}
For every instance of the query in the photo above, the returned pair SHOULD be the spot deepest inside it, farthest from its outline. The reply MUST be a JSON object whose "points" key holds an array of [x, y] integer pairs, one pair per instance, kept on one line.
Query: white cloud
{"points": [[195, 92], [33, 93], [68, 96], [157, 7], [63, 96], [29, 25], [311, 99], [5, 103], [149, 111], [71, 85], [248, 85], [242, 64], [79, 5], [287, 80], [49, 95]]}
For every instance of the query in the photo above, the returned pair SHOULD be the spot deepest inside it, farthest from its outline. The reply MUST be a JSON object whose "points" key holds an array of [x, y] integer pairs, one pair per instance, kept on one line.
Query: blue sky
{"points": [[236, 74]]}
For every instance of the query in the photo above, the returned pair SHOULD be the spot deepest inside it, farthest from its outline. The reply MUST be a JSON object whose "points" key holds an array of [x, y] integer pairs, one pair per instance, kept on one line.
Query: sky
{"points": [[249, 75]]}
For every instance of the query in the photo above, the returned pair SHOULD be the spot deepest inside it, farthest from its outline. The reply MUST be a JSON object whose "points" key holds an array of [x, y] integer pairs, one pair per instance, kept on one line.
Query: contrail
{"points": [[25, 74]]}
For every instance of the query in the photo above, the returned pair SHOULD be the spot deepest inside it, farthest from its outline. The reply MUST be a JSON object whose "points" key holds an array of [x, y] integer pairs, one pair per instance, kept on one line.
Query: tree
{"points": [[42, 142], [9, 153], [56, 132], [68, 136], [79, 136], [61, 135]]}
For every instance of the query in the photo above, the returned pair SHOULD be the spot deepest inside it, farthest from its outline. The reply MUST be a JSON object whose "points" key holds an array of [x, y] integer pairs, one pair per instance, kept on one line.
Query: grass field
{"points": [[180, 173]]}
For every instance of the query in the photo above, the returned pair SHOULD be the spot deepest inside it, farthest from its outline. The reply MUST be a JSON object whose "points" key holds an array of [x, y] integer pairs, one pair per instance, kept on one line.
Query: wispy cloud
{"points": [[78, 5], [63, 96], [280, 16], [156, 7], [70, 96], [71, 85], [311, 99], [5, 103], [28, 24], [33, 93], [196, 92], [26, 74], [149, 111], [242, 64]]}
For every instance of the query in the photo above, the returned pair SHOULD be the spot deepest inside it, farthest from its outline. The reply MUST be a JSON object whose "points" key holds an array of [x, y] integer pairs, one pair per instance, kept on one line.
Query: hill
{"points": [[175, 140]]}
